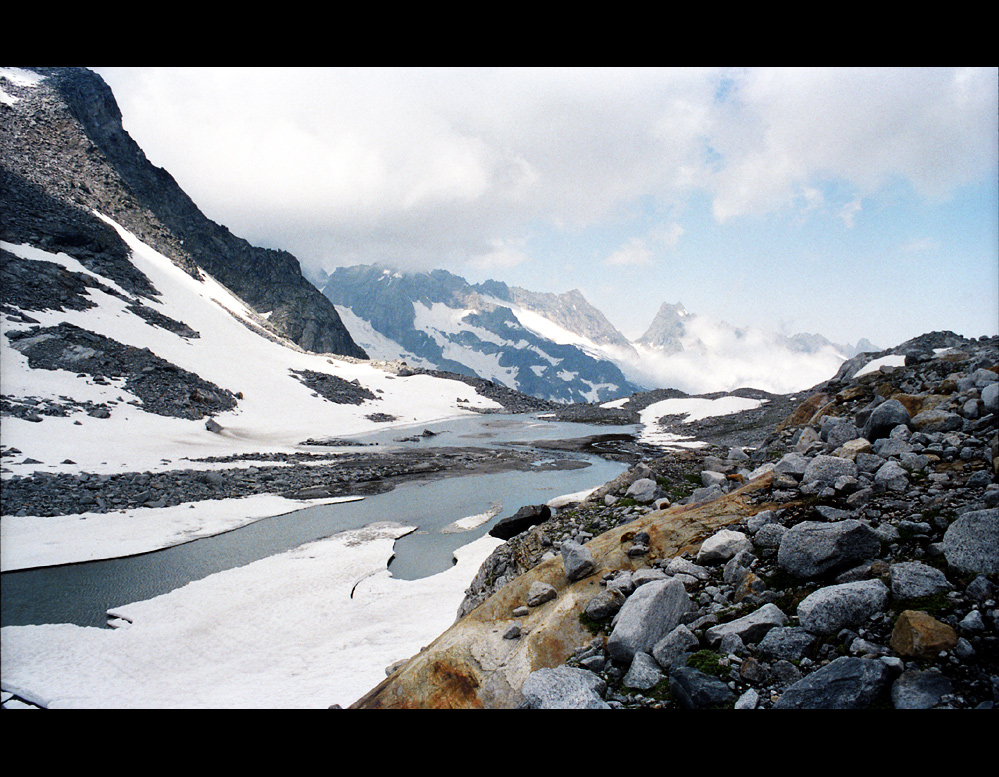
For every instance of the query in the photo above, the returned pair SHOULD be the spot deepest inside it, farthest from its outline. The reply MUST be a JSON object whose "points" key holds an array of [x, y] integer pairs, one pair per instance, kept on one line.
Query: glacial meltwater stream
{"points": [[82, 593]]}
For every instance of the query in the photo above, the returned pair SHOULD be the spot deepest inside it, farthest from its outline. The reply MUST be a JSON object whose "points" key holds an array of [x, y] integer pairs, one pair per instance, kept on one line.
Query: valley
{"points": [[224, 485]]}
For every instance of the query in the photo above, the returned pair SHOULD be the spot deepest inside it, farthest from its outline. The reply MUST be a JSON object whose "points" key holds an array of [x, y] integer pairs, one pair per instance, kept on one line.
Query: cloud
{"points": [[434, 165], [848, 213], [781, 129], [919, 245], [501, 256], [633, 253]]}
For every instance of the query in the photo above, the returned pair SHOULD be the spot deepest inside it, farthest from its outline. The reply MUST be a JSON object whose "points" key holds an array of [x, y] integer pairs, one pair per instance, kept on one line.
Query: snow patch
{"points": [[891, 361], [279, 632]]}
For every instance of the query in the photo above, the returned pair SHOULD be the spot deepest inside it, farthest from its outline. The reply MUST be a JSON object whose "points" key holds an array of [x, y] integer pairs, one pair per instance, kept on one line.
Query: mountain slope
{"points": [[438, 320], [62, 131], [119, 357]]}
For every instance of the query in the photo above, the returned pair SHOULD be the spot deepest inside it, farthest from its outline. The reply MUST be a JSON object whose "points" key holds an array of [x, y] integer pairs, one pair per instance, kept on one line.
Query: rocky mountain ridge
{"points": [[849, 560], [439, 321], [61, 137], [559, 346]]}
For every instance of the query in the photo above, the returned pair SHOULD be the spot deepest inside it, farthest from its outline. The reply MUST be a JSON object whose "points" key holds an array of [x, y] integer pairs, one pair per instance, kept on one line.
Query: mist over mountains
{"points": [[559, 346]]}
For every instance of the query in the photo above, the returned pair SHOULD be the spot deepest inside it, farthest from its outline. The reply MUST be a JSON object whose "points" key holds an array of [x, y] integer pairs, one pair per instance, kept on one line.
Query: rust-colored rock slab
{"points": [[472, 665]]}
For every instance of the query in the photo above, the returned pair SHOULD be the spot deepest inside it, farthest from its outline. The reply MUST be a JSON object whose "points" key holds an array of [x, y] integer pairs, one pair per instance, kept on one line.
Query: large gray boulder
{"points": [[811, 549], [884, 418], [578, 560], [990, 398], [564, 688], [788, 642], [643, 490], [722, 545], [669, 649], [644, 672], [937, 420], [834, 607], [913, 579], [695, 690], [917, 690], [649, 614], [828, 469], [793, 464], [840, 433], [891, 477], [844, 684], [749, 628], [971, 543]]}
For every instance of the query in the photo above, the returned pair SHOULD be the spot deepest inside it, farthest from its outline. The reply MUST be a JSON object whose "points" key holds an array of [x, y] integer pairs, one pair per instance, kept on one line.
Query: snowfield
{"points": [[308, 628], [283, 632], [695, 409]]}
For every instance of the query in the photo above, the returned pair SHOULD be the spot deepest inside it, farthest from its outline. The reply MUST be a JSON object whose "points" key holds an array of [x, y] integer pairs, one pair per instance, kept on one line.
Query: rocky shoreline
{"points": [[860, 570], [294, 476]]}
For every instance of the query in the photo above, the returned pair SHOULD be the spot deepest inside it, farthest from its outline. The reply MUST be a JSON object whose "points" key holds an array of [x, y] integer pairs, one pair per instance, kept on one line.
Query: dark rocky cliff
{"points": [[73, 110]]}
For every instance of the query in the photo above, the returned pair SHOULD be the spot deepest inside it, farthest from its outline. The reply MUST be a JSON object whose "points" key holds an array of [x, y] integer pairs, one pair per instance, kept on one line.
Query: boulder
{"points": [[605, 604], [828, 469], [846, 683], [669, 649], [749, 628], [884, 418], [793, 464], [539, 593], [971, 543], [790, 643], [937, 420], [921, 635], [913, 579], [811, 549], [522, 520], [990, 398], [841, 433], [891, 477], [834, 607], [644, 672], [643, 490], [919, 690], [649, 614], [578, 561], [695, 690], [564, 688], [722, 546]]}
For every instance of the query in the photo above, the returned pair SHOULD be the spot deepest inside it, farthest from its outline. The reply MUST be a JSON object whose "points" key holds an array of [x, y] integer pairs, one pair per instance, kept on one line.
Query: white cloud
{"points": [[919, 245], [501, 255], [783, 128], [848, 213], [437, 166], [634, 252]]}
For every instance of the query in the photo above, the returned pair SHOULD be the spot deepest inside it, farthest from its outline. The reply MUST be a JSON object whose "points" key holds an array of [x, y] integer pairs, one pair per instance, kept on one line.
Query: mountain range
{"points": [[559, 346], [544, 345]]}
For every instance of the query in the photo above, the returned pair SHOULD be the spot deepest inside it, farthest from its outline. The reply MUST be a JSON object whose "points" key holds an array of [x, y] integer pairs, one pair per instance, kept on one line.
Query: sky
{"points": [[849, 202]]}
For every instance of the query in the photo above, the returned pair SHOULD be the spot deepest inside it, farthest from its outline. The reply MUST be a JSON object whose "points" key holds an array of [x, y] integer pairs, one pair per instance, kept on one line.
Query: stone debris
{"points": [[867, 577]]}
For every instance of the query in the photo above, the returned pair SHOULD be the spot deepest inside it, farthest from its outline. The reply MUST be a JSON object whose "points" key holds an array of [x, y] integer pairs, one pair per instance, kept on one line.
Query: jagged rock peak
{"points": [[573, 312], [667, 328]]}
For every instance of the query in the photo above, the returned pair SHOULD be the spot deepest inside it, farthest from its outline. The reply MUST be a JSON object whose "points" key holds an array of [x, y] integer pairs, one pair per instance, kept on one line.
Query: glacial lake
{"points": [[82, 593]]}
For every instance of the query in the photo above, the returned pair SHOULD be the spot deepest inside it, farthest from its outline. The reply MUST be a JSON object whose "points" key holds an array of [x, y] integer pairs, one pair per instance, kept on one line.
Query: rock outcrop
{"points": [[62, 140]]}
